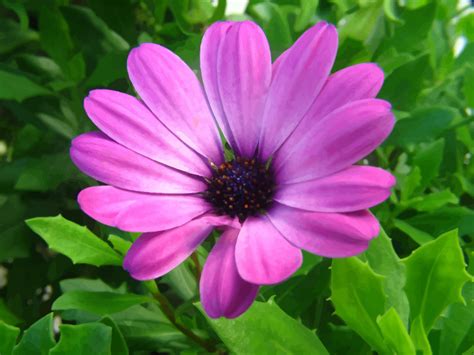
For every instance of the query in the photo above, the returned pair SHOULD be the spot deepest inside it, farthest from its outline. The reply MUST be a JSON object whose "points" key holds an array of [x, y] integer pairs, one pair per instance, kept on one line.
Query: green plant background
{"points": [[409, 293]]}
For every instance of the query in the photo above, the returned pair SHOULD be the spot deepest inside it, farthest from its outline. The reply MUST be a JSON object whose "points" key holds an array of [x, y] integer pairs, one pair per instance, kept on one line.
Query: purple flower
{"points": [[296, 131]]}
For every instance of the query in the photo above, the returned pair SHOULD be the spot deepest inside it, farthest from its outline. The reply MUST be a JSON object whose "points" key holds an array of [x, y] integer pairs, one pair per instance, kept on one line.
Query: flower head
{"points": [[296, 132]]}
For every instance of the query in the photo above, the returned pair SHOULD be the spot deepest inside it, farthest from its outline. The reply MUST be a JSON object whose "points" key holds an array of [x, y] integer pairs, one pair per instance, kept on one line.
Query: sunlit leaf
{"points": [[359, 298], [91, 338], [74, 241], [266, 330], [435, 276]]}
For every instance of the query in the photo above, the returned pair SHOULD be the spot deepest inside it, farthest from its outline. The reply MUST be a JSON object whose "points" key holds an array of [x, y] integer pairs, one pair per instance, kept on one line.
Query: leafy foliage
{"points": [[408, 293]]}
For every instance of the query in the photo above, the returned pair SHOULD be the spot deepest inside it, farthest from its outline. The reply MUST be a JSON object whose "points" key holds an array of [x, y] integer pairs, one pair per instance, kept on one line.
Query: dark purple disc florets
{"points": [[240, 188]]}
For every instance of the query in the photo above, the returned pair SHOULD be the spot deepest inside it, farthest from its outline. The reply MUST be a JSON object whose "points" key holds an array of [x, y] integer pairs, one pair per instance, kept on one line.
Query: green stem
{"points": [[168, 310], [197, 265]]}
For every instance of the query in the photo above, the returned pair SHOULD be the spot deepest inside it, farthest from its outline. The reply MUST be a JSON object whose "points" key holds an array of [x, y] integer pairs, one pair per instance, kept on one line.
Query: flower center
{"points": [[240, 188]]}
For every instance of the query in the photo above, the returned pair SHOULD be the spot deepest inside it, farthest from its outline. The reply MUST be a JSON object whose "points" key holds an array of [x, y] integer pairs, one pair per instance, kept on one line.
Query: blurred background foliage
{"points": [[52, 52]]}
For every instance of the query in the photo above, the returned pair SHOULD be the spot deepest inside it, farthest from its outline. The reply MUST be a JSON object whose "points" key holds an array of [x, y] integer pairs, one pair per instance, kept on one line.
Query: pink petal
{"points": [[336, 142], [360, 81], [352, 189], [154, 254], [129, 122], [104, 203], [172, 92], [334, 235], [301, 74], [109, 162], [223, 292], [263, 256], [236, 69], [140, 212]]}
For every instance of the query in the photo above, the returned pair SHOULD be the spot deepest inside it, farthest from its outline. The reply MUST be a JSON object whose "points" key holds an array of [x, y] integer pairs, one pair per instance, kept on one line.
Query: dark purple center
{"points": [[241, 188]]}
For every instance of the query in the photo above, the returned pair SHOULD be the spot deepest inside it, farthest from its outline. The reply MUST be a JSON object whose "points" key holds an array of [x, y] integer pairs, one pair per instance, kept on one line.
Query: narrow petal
{"points": [[236, 69], [140, 212], [352, 189], [154, 254], [173, 93], [109, 162], [129, 122], [301, 74], [339, 140], [223, 292], [333, 235], [360, 81], [263, 256]]}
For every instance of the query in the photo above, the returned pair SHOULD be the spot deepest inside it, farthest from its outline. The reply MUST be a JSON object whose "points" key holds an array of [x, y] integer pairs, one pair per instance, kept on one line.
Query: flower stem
{"points": [[197, 265], [168, 310]]}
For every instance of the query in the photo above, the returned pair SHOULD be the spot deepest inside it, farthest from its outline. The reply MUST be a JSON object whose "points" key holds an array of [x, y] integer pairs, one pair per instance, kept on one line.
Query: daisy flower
{"points": [[296, 132]]}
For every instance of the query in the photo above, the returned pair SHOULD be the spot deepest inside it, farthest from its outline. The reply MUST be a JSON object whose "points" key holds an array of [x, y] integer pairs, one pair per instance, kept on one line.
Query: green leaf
{"points": [[433, 201], [265, 329], [18, 87], [419, 337], [364, 24], [412, 72], [270, 17], [8, 336], [15, 242], [310, 289], [91, 34], [183, 282], [13, 36], [110, 67], [428, 158], [415, 28], [307, 11], [100, 303], [423, 125], [395, 334], [417, 235], [119, 345], [91, 338], [120, 245], [45, 173], [53, 30], [384, 261], [8, 316], [410, 183], [92, 285], [435, 276], [37, 339], [468, 87], [74, 241], [309, 262], [458, 322], [147, 329], [358, 297], [219, 12], [445, 219]]}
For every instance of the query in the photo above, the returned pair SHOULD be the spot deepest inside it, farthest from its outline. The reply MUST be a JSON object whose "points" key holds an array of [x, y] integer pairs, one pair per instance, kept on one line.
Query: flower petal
{"points": [[173, 93], [336, 142], [263, 256], [154, 254], [360, 81], [333, 235], [109, 162], [300, 75], [352, 189], [236, 68], [223, 292], [140, 212], [129, 122]]}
